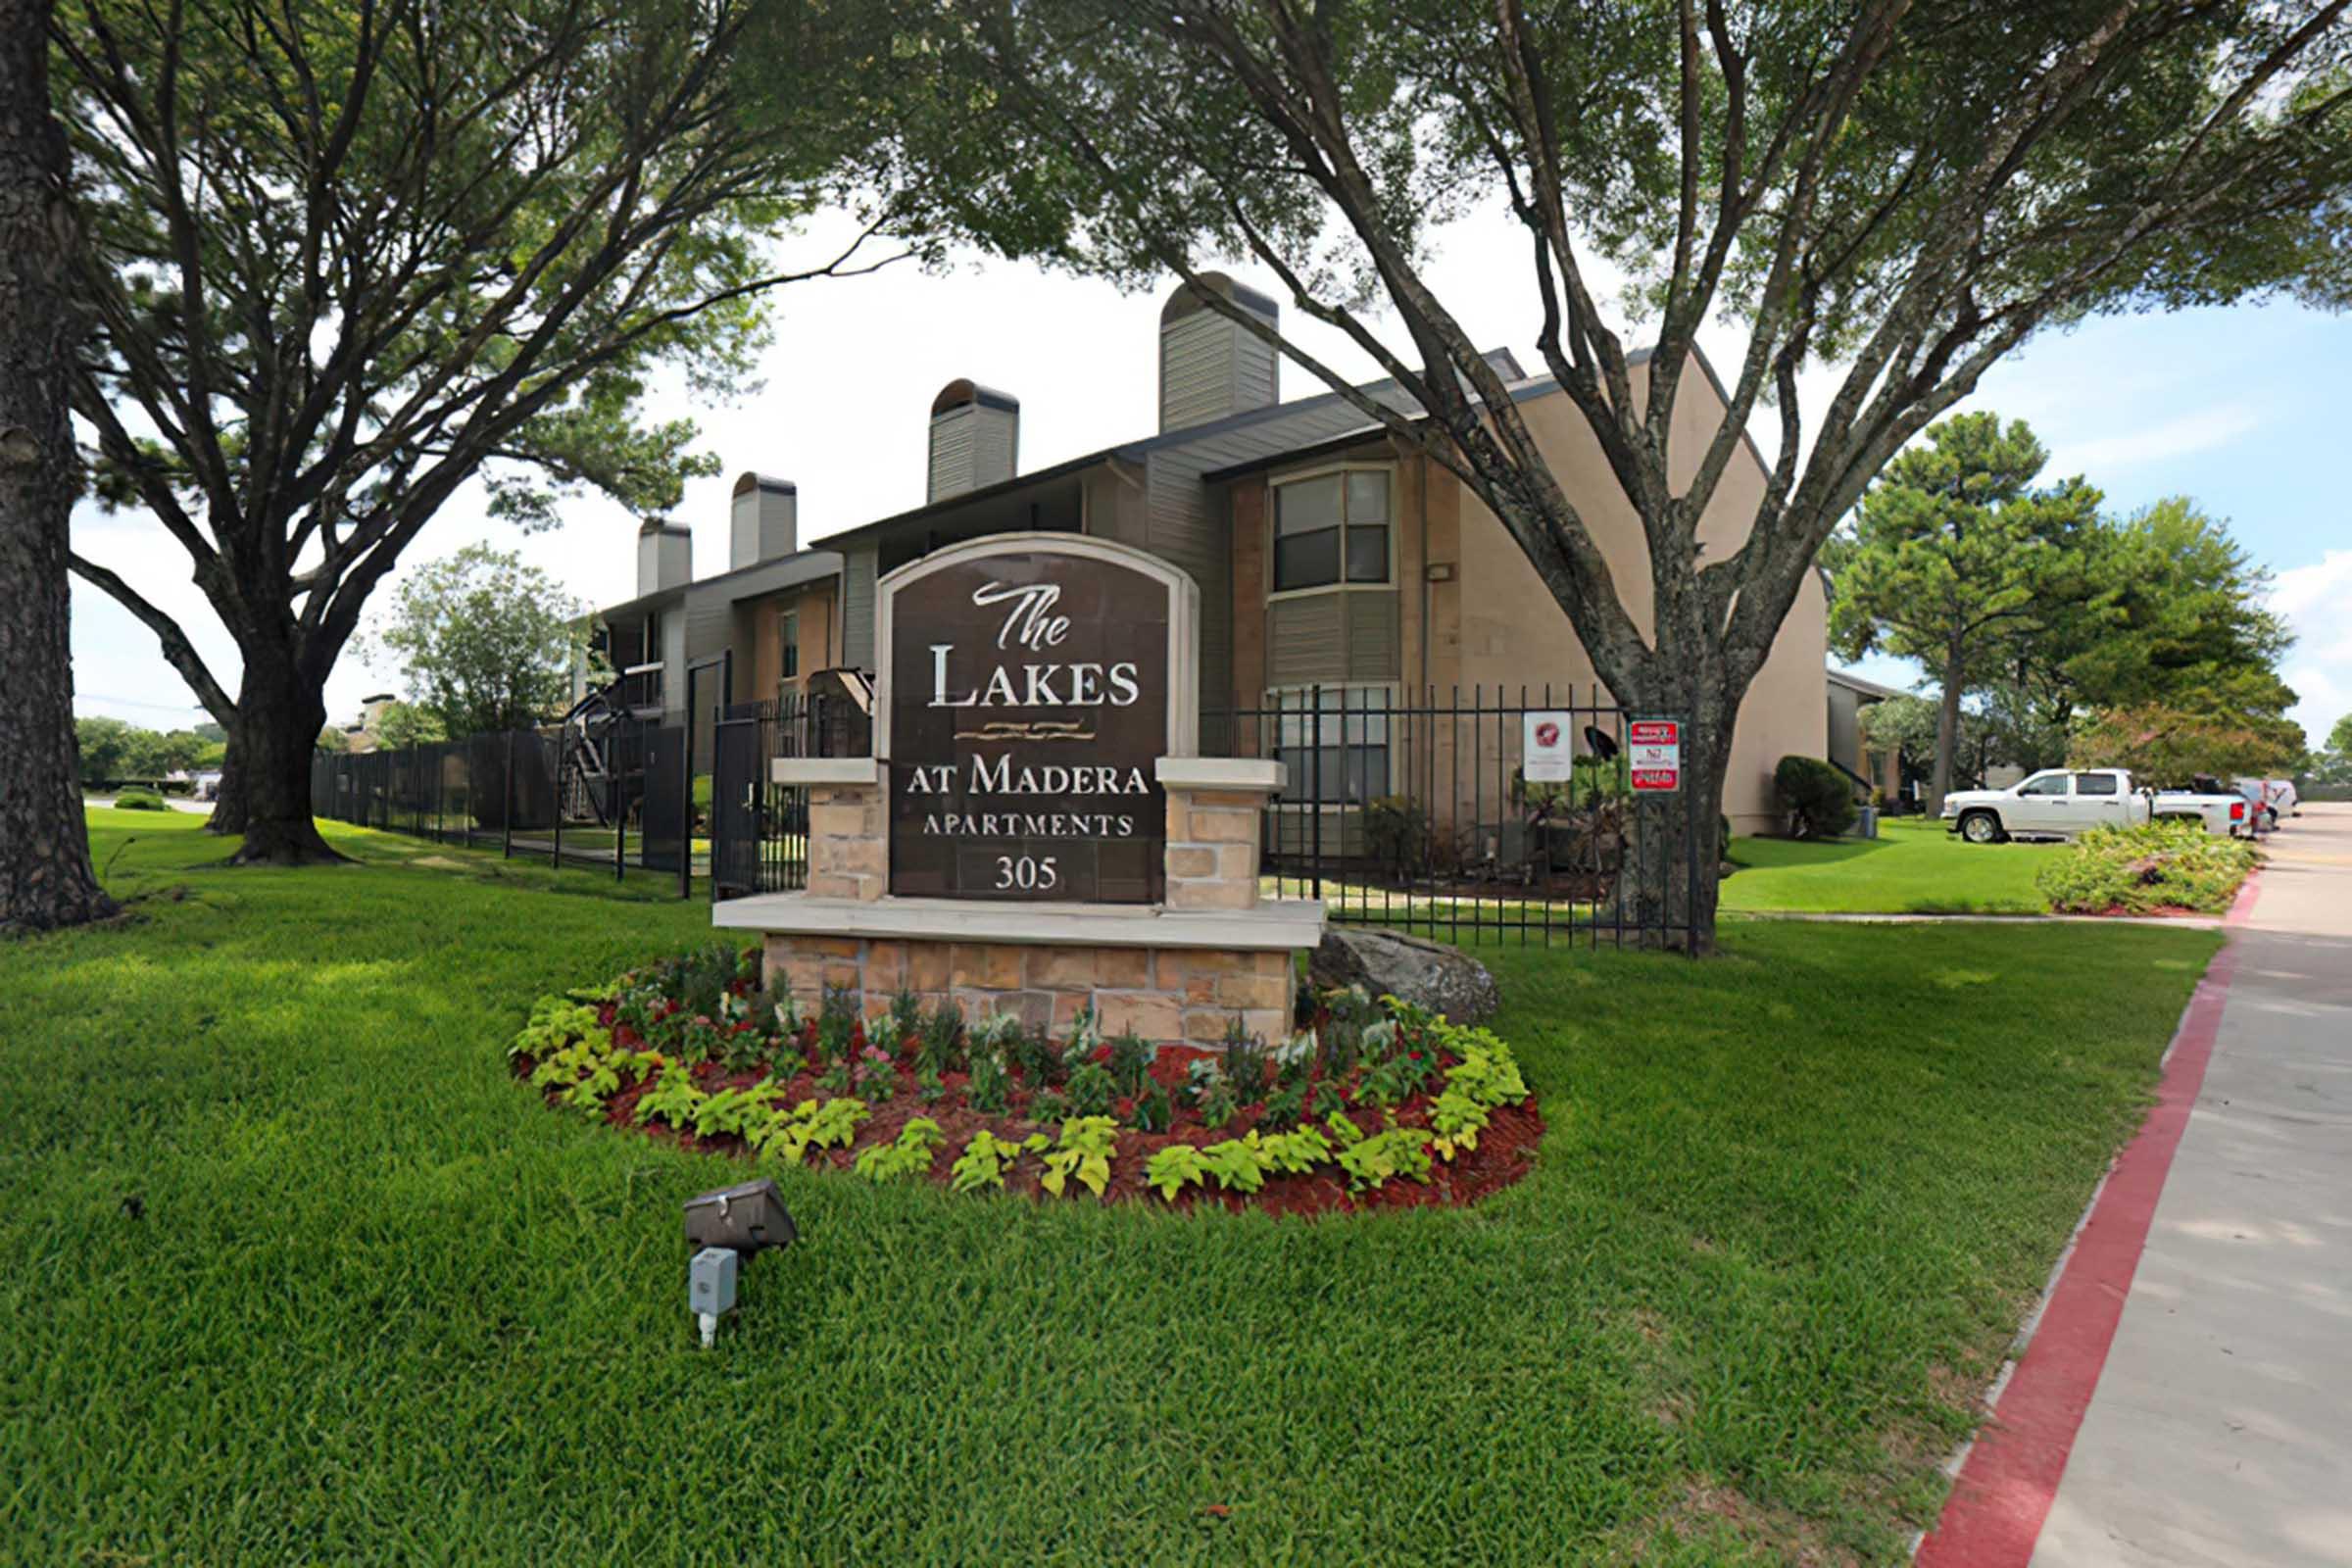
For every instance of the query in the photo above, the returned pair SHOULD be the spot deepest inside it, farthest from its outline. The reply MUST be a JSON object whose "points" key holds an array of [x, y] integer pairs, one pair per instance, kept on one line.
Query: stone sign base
{"points": [[1166, 995]]}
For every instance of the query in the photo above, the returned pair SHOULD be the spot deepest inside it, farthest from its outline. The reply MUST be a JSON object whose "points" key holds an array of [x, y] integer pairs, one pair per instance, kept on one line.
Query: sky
{"points": [[2243, 408]]}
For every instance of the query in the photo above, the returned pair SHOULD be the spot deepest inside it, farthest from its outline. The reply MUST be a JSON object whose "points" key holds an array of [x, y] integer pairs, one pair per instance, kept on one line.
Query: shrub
{"points": [[1818, 798], [2141, 870], [1394, 830], [139, 799]]}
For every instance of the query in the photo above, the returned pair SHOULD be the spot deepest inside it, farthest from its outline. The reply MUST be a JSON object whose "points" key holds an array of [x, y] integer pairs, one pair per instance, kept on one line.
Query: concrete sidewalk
{"points": [[2221, 1429]]}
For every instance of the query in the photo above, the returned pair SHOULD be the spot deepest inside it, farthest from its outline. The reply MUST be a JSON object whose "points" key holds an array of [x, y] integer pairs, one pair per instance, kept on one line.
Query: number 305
{"points": [[1031, 873]]}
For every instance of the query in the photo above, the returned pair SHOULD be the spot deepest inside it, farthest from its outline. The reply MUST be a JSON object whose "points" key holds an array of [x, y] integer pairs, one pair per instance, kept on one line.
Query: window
{"points": [[2045, 784], [1331, 530], [2096, 784], [788, 632], [1337, 753]]}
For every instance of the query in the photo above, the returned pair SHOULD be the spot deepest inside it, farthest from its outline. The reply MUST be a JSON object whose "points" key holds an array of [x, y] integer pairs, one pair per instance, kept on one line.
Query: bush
{"points": [[139, 799], [2138, 870], [1818, 798], [1395, 829]]}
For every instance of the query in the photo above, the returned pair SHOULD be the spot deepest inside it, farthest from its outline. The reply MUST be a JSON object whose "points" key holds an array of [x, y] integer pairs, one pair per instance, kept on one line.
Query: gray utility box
{"points": [[710, 1282], [746, 1218]]}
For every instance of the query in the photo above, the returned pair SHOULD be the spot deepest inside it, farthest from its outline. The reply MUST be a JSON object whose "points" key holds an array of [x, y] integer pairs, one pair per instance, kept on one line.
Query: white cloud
{"points": [[2316, 601], [2201, 431]]}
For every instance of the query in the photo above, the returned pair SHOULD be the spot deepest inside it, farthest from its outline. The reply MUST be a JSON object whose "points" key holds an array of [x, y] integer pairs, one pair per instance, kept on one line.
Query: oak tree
{"points": [[347, 255], [1902, 191]]}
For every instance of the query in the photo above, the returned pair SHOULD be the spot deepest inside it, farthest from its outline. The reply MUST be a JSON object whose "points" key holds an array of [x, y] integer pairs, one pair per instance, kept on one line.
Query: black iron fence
{"points": [[617, 793], [1415, 810], [1406, 809]]}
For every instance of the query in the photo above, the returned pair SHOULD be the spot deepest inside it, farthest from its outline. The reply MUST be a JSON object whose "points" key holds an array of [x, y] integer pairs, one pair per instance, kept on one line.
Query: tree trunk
{"points": [[280, 713], [1947, 733], [229, 801], [45, 875], [1672, 875]]}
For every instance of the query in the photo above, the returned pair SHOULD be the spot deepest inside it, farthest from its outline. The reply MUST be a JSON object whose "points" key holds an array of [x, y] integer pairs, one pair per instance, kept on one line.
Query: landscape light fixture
{"points": [[725, 1227]]}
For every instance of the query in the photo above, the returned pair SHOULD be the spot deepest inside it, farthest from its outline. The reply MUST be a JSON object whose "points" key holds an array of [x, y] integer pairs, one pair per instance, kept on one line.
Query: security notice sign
{"points": [[1654, 751], [1547, 752]]}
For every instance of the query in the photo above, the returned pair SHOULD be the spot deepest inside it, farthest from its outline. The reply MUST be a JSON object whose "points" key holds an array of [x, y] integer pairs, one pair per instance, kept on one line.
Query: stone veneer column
{"points": [[1214, 807], [848, 826]]}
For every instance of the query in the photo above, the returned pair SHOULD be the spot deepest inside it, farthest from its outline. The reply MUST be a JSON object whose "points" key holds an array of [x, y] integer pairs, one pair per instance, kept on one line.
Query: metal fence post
{"points": [[1691, 846], [686, 811], [1314, 790], [555, 860]]}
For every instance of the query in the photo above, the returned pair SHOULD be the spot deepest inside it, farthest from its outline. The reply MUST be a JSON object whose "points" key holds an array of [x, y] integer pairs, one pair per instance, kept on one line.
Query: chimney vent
{"points": [[975, 438], [1210, 366], [763, 520], [664, 556]]}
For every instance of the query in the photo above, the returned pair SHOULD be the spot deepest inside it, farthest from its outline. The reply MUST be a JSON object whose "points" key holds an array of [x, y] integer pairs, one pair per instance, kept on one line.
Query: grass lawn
{"points": [[384, 1306], [1913, 867]]}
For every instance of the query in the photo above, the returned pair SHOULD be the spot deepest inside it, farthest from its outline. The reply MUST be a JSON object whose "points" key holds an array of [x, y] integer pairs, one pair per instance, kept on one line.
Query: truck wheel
{"points": [[1981, 827]]}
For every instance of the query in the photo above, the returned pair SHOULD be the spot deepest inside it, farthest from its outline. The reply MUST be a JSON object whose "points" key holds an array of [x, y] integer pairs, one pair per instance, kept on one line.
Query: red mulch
{"points": [[1505, 1148]]}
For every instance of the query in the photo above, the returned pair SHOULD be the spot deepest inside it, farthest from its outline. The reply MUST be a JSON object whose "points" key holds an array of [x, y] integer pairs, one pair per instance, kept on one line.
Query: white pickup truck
{"points": [[2061, 803]]}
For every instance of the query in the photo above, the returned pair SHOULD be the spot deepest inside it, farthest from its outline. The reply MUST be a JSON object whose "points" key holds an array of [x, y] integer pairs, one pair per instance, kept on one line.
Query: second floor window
{"points": [[1331, 530], [788, 632]]}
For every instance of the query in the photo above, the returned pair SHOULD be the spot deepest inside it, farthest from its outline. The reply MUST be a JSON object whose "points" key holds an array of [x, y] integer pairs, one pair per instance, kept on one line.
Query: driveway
{"points": [[2218, 1427]]}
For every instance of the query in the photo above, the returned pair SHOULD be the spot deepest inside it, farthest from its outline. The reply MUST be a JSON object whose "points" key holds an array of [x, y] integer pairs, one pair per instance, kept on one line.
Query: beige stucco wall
{"points": [[1511, 631], [819, 635]]}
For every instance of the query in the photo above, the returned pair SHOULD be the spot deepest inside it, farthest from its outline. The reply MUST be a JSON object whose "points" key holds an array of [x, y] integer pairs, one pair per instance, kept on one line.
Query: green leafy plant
{"points": [[1050, 1104], [987, 1159], [1131, 1061], [1084, 1150], [1037, 1057], [991, 1087], [1155, 1111], [734, 1110], [1456, 1119], [588, 1096], [1244, 1065], [673, 1098], [2137, 870], [875, 1075], [1217, 1105], [1092, 1090], [906, 1018], [555, 1021], [1237, 1163], [938, 1044], [1169, 1169], [836, 1025], [789, 1135], [1294, 1152], [1286, 1107], [1487, 1072], [1819, 800], [908, 1155], [1373, 1159], [928, 1087], [837, 1079]]}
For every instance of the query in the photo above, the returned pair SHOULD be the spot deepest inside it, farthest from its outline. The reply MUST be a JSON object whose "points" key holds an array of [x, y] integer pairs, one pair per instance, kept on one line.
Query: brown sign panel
{"points": [[1028, 709]]}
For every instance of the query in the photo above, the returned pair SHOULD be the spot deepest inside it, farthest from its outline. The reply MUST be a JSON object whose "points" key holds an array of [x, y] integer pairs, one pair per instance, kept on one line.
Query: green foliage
{"points": [[1092, 1090], [1396, 830], [111, 749], [1294, 1152], [1036, 1055], [740, 1111], [1237, 1163], [1819, 800], [554, 1020], [1154, 1110], [789, 1135], [2168, 747], [1244, 1063], [674, 1099], [1372, 1160], [1083, 1151], [987, 1159], [1455, 1117], [1487, 1072], [139, 799], [990, 1087], [907, 1156], [400, 726], [2138, 870], [1169, 1169], [1049, 1104], [1131, 1058], [939, 1044]]}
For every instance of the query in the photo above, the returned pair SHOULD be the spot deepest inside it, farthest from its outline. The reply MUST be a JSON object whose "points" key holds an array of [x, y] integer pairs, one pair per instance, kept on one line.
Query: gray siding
{"points": [[1211, 367], [971, 447], [1303, 641], [858, 606], [1375, 636]]}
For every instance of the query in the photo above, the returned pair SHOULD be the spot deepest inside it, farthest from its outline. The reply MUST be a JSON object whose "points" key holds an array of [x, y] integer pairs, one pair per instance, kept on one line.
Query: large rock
{"points": [[1442, 979]]}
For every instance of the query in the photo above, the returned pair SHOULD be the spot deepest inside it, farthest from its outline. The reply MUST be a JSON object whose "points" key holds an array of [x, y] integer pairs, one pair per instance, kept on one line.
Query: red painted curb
{"points": [[2003, 1493]]}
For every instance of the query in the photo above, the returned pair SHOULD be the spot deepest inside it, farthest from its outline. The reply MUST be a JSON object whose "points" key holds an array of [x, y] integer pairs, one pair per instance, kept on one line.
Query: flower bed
{"points": [[2156, 869], [1371, 1104]]}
